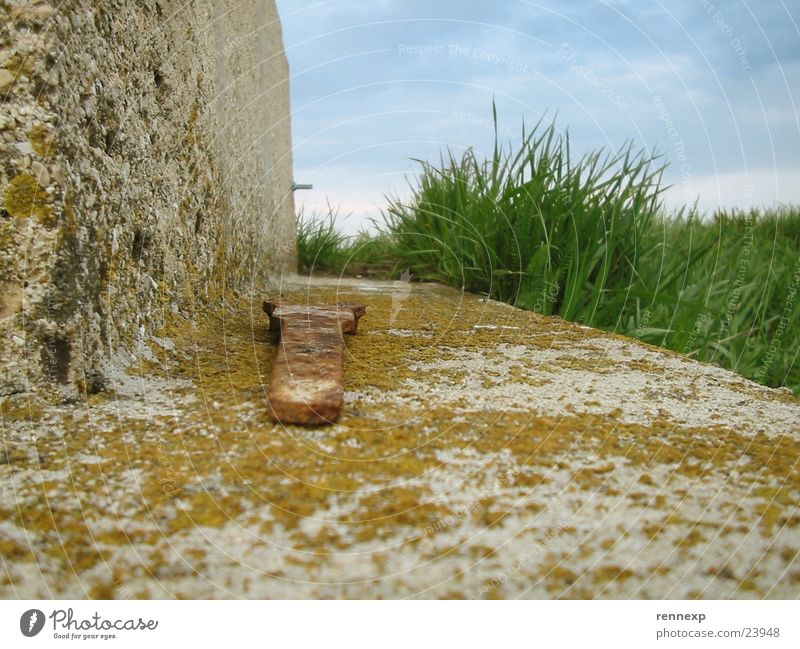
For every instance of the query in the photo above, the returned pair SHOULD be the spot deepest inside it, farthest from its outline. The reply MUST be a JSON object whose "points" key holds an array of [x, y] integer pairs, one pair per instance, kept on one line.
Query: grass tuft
{"points": [[323, 248]]}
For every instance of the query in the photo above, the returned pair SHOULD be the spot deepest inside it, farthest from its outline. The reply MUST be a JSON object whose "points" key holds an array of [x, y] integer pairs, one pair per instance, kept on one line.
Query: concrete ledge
{"points": [[483, 452]]}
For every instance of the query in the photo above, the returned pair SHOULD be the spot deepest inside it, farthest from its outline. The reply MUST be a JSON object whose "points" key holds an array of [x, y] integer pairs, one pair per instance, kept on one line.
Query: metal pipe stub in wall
{"points": [[297, 186]]}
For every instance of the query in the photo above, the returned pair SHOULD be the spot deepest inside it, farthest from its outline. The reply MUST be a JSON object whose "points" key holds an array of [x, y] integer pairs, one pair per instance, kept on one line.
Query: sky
{"points": [[378, 84]]}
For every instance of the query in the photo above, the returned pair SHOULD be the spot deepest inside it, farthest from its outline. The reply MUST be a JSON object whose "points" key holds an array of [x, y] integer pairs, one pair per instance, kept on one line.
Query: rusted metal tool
{"points": [[306, 384]]}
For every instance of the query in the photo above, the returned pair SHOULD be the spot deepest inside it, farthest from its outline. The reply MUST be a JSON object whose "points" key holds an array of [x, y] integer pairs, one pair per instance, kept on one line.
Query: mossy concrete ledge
{"points": [[483, 452], [145, 169]]}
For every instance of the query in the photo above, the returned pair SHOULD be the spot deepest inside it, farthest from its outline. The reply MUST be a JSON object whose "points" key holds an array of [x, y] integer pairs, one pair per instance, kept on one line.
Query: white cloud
{"points": [[740, 189]]}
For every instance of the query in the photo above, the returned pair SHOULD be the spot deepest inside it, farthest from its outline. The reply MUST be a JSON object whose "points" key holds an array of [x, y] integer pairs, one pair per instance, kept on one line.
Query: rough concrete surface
{"points": [[483, 452], [145, 168]]}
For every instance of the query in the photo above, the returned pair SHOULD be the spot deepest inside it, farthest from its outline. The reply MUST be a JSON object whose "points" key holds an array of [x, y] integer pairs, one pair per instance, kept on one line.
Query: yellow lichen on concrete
{"points": [[42, 140], [178, 483], [24, 198]]}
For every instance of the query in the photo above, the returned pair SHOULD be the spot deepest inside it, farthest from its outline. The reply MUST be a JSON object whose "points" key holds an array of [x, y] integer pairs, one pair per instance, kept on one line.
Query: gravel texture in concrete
{"points": [[482, 452]]}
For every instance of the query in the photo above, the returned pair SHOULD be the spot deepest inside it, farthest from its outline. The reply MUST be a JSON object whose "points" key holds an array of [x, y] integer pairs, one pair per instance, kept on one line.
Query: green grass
{"points": [[588, 239], [736, 301], [522, 223], [323, 249]]}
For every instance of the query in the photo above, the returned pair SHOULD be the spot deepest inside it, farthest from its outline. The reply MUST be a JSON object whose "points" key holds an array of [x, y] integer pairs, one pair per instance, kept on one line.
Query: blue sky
{"points": [[714, 86]]}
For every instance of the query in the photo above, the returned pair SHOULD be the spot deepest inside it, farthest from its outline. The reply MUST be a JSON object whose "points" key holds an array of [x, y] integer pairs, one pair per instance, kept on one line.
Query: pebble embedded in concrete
{"points": [[6, 79]]}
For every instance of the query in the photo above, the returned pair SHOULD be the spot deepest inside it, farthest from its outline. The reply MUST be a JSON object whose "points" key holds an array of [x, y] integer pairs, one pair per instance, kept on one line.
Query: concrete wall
{"points": [[145, 170]]}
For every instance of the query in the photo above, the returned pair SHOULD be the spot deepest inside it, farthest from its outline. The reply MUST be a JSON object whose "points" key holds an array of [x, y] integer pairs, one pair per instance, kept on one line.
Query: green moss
{"points": [[15, 551], [19, 64], [7, 241], [192, 137], [24, 198], [20, 410], [8, 245], [42, 140]]}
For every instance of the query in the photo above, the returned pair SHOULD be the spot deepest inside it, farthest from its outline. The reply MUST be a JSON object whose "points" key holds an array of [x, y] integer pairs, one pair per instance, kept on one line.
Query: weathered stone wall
{"points": [[145, 169]]}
